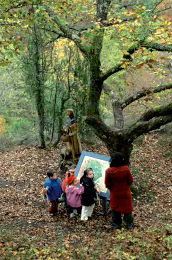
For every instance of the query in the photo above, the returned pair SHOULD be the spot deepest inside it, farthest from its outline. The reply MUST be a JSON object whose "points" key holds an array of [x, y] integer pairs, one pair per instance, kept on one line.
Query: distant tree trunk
{"points": [[34, 67], [64, 99], [118, 115], [54, 113], [39, 90], [60, 120], [40, 111], [117, 108]]}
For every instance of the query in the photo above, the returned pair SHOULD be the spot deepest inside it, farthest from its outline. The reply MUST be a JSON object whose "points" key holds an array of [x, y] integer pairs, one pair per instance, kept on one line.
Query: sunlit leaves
{"points": [[2, 125], [138, 23]]}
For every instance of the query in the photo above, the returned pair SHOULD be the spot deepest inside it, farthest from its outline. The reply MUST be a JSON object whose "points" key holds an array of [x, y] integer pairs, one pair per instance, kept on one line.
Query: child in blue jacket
{"points": [[53, 190]]}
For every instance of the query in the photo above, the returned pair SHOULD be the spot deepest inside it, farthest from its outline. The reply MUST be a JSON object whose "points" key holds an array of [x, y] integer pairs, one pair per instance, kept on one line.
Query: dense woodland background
{"points": [[111, 61], [46, 69]]}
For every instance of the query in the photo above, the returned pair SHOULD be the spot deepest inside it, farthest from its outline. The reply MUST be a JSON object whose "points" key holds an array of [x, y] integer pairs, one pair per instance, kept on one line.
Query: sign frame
{"points": [[99, 164]]}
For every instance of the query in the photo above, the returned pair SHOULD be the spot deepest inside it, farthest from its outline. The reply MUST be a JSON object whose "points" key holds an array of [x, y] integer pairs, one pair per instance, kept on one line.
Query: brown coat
{"points": [[118, 180], [74, 140]]}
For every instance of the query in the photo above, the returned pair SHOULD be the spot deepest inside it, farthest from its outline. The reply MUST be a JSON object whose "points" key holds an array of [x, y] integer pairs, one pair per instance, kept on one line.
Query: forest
{"points": [[111, 62]]}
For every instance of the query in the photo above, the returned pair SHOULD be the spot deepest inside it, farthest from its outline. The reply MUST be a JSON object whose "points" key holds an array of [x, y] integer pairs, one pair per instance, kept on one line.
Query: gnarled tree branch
{"points": [[102, 130], [144, 93], [143, 127], [156, 46], [119, 66], [157, 111], [68, 33], [111, 71], [150, 120], [15, 6]]}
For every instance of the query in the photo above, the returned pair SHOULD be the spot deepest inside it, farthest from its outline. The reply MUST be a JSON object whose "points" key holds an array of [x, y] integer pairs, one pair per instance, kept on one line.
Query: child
{"points": [[69, 173], [73, 196], [89, 195], [53, 190]]}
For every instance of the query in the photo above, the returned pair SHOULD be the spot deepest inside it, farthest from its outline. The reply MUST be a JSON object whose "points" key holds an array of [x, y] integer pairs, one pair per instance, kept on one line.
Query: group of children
{"points": [[78, 196]]}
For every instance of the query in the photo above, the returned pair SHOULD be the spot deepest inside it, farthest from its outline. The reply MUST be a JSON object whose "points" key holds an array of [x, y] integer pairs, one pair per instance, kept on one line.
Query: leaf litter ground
{"points": [[27, 231]]}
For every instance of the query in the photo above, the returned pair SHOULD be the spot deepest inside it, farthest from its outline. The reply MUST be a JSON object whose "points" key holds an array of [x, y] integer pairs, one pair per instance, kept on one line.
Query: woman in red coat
{"points": [[118, 179]]}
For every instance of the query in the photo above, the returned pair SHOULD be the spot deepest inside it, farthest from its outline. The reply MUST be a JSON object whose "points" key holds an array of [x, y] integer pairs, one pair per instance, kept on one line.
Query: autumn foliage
{"points": [[2, 127]]}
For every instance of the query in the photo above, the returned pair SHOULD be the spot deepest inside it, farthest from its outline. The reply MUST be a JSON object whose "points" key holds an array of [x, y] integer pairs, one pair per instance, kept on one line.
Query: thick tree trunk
{"points": [[95, 88], [114, 140], [120, 144]]}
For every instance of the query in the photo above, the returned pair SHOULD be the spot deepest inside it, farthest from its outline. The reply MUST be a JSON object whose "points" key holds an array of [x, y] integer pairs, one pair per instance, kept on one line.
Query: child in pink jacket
{"points": [[73, 196]]}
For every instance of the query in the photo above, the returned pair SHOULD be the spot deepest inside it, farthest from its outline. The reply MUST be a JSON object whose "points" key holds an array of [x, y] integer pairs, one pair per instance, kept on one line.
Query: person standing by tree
{"points": [[118, 179], [70, 135]]}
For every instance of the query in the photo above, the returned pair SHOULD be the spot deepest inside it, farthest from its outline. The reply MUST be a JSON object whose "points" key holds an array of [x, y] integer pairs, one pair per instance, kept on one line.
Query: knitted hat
{"points": [[70, 179]]}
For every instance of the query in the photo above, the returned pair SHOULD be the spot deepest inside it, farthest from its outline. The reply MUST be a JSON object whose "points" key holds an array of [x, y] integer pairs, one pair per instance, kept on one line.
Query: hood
{"points": [[71, 189], [115, 169]]}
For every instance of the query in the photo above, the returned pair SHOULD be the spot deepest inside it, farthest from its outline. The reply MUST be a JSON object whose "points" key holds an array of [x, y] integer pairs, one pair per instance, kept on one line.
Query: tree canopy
{"points": [[112, 36]]}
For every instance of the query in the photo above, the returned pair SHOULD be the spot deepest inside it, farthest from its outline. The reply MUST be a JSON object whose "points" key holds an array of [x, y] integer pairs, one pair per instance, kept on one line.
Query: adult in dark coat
{"points": [[118, 179]]}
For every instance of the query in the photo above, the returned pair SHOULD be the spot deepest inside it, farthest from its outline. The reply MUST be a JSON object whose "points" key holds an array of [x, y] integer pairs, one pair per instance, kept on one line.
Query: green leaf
{"points": [[4, 63]]}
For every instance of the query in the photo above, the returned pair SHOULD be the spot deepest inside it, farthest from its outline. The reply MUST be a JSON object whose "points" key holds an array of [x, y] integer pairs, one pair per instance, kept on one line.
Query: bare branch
{"points": [[157, 4], [143, 127], [111, 71], [52, 40], [119, 66], [68, 33], [16, 5], [156, 46], [53, 31], [152, 119], [157, 112], [10, 24], [102, 130], [144, 93], [165, 9]]}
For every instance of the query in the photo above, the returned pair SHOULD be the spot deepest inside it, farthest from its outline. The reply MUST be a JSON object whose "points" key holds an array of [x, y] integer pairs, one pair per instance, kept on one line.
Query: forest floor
{"points": [[28, 232]]}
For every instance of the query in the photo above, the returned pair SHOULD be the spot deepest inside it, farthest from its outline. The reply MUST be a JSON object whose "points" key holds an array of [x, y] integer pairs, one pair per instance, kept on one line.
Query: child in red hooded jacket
{"points": [[69, 173], [73, 196]]}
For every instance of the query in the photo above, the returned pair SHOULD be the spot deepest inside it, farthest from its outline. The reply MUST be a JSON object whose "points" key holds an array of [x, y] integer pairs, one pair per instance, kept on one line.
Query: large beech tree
{"points": [[118, 138], [136, 26]]}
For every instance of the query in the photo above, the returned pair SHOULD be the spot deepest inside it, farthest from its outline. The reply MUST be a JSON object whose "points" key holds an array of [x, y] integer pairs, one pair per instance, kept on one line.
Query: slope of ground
{"points": [[27, 231]]}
